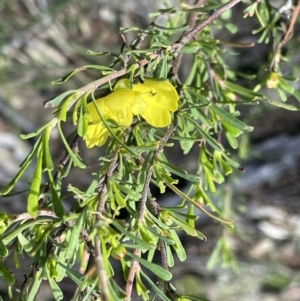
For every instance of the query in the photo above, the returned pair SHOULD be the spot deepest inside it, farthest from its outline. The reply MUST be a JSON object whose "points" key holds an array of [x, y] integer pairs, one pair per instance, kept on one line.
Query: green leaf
{"points": [[190, 49], [35, 286], [229, 118], [56, 201], [31, 135], [74, 276], [246, 93], [82, 122], [145, 245], [77, 162], [141, 289], [186, 227], [24, 165], [231, 139], [3, 249], [154, 268], [57, 293], [159, 293], [170, 258], [75, 234], [62, 80], [54, 102], [283, 105], [26, 244], [186, 297], [47, 160], [34, 191], [179, 249], [9, 235], [211, 141], [7, 275]]}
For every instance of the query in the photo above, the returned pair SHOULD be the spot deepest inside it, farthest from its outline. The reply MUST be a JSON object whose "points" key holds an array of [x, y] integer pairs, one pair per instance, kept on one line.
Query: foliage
{"points": [[146, 80]]}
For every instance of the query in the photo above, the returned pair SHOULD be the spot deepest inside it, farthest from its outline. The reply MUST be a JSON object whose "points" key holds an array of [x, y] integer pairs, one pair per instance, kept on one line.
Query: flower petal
{"points": [[96, 134], [157, 116]]}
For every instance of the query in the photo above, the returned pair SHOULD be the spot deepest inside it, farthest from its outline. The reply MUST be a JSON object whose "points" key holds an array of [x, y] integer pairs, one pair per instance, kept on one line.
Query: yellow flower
{"points": [[153, 100]]}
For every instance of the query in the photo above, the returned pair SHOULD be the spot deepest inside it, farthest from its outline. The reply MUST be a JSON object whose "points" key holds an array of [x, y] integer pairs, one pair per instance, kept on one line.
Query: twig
{"points": [[103, 280], [287, 36]]}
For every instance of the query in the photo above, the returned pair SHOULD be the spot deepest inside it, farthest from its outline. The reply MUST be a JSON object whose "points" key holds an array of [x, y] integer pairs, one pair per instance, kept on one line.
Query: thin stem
{"points": [[102, 276], [288, 34], [131, 275], [103, 279]]}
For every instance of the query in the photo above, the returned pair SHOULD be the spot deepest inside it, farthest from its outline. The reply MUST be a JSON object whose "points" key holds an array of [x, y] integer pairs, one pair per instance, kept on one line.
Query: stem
{"points": [[142, 208], [288, 34]]}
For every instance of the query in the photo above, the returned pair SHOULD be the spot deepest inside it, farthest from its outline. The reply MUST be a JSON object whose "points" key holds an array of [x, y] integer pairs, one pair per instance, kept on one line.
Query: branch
{"points": [[288, 34], [142, 207], [156, 55]]}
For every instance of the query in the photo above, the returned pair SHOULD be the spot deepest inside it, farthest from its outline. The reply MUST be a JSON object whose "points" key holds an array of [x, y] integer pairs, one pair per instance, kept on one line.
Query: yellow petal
{"points": [[156, 113], [161, 87], [157, 116], [96, 134], [93, 113]]}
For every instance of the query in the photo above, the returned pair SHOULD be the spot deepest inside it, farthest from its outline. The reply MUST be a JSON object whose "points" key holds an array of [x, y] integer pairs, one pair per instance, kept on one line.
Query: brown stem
{"points": [[142, 208], [287, 36]]}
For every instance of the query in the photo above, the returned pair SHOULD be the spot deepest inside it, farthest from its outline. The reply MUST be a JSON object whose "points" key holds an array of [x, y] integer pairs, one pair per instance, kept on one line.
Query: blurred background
{"points": [[42, 40]]}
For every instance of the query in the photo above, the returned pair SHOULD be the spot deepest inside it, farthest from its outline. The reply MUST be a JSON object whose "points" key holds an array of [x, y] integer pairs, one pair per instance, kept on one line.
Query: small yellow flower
{"points": [[153, 100]]}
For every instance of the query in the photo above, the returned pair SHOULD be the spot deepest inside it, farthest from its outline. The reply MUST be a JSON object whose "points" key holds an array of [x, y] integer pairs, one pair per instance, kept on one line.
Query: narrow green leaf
{"points": [[170, 258], [91, 52], [3, 249], [74, 276], [77, 162], [249, 94], [164, 67], [54, 102], [26, 244], [235, 132], [180, 172], [57, 293], [154, 268], [34, 191], [229, 118], [7, 275], [35, 287], [283, 105], [137, 240], [47, 160], [75, 233], [31, 135], [211, 141], [159, 293], [190, 49], [179, 249], [56, 201], [186, 297], [8, 236], [24, 165], [231, 139]]}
